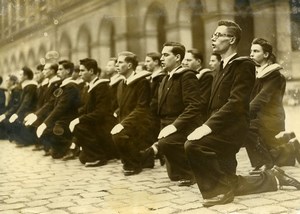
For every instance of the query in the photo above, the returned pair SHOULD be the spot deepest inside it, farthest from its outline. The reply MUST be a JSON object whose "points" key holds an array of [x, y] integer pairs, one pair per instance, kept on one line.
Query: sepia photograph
{"points": [[150, 106]]}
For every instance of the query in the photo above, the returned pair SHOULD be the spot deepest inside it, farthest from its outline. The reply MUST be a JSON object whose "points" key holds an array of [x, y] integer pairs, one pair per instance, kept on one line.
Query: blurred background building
{"points": [[101, 28]]}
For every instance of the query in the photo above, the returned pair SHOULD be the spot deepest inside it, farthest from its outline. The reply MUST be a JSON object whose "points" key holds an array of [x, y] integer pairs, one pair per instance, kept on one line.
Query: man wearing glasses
{"points": [[211, 148]]}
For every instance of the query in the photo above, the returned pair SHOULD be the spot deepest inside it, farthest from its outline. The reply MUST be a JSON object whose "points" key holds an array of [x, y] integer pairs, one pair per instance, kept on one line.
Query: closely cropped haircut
{"points": [[54, 67], [130, 58], [177, 48], [89, 64], [40, 67], [67, 65], [155, 56], [27, 72], [219, 58], [233, 29], [196, 54], [13, 78]]}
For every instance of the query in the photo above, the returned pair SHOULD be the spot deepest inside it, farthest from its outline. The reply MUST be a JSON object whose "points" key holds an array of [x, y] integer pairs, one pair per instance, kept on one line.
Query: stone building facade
{"points": [[101, 28]]}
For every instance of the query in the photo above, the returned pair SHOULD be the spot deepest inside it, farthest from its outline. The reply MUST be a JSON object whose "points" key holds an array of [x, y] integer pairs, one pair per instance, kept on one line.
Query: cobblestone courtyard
{"points": [[32, 183]]}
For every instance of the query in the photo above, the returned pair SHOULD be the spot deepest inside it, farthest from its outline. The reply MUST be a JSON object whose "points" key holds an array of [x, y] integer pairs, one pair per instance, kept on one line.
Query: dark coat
{"points": [[134, 107], [266, 107], [14, 101], [229, 102], [205, 77], [2, 100], [97, 109], [28, 99], [65, 106], [180, 102], [96, 122], [45, 92]]}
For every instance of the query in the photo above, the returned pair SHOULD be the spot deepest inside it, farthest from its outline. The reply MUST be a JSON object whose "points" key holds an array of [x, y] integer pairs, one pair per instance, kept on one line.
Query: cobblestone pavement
{"points": [[32, 183]]}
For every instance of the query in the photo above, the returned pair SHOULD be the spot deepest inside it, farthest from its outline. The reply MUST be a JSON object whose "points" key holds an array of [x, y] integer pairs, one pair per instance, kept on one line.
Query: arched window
{"points": [[155, 33], [83, 42]]}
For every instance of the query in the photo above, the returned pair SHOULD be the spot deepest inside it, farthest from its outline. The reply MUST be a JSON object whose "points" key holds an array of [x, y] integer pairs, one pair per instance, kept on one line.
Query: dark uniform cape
{"points": [[267, 118], [65, 109], [47, 99], [12, 106], [96, 122], [212, 158], [27, 105], [180, 104], [134, 115]]}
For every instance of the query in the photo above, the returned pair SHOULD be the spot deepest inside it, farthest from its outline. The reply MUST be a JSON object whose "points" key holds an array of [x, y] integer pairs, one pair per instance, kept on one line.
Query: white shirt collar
{"points": [[227, 59], [171, 73]]}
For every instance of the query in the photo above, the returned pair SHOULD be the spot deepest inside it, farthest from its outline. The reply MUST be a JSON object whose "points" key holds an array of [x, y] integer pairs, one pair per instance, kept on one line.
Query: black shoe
{"points": [[219, 199], [296, 146], [147, 158], [96, 163], [186, 183], [128, 172], [259, 169], [284, 179]]}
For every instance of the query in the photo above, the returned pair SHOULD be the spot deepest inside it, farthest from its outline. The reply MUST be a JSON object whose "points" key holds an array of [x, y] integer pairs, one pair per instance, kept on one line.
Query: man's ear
{"points": [[178, 57], [232, 40], [129, 65]]}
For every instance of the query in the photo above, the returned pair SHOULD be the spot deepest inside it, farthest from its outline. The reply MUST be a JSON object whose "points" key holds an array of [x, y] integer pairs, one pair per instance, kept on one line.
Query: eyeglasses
{"points": [[217, 35]]}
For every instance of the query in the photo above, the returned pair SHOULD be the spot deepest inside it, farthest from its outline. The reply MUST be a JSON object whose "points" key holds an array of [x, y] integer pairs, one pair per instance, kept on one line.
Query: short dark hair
{"points": [[130, 58], [177, 48], [89, 64], [1, 80], [54, 67], [219, 58], [196, 54], [67, 65], [233, 28], [13, 78], [155, 56], [27, 72], [40, 67]]}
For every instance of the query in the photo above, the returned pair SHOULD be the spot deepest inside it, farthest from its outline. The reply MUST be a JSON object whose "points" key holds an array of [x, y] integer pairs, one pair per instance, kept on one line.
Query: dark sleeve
{"points": [[28, 102], [14, 102], [192, 100], [68, 99], [238, 100], [271, 87], [102, 105]]}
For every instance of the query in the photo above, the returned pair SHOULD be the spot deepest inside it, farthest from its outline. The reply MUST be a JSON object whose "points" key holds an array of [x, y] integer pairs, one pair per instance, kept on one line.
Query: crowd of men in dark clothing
{"points": [[193, 119]]}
